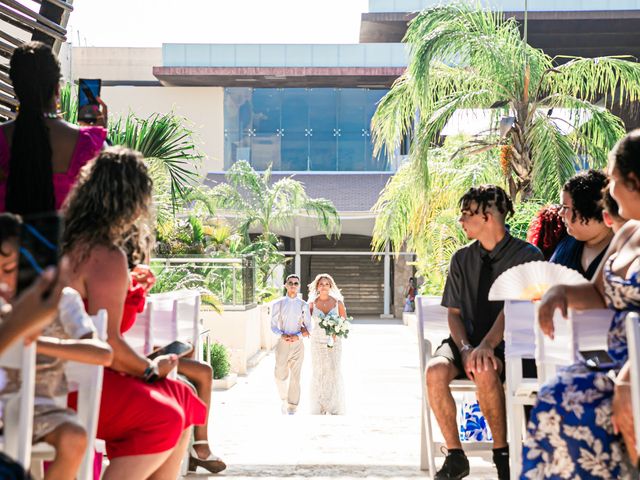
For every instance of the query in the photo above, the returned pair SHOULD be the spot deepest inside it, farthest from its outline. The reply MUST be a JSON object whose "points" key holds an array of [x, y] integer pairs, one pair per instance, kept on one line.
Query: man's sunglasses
{"points": [[295, 284]]}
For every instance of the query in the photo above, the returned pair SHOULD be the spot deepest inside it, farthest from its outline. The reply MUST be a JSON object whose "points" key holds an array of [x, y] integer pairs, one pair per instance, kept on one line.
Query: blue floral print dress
{"points": [[570, 434]]}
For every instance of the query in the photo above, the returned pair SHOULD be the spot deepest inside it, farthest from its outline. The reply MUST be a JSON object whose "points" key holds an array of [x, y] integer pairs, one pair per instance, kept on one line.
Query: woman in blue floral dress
{"points": [[570, 432]]}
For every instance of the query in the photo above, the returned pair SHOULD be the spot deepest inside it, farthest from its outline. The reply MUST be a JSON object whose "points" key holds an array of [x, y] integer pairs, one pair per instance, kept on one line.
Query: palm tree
{"points": [[257, 202], [463, 56]]}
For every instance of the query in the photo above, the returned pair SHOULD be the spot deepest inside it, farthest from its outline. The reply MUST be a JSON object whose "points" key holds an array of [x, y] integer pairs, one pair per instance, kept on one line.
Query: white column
{"points": [[387, 283], [298, 262]]}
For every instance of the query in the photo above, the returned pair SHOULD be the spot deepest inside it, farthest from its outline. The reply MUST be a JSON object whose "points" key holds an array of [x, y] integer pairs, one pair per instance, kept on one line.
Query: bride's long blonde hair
{"points": [[334, 291]]}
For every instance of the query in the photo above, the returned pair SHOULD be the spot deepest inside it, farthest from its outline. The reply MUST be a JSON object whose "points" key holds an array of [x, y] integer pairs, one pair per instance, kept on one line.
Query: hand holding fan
{"points": [[530, 281]]}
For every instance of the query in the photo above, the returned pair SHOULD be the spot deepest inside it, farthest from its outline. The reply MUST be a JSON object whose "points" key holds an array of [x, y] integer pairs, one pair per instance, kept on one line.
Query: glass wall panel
{"points": [[300, 129], [265, 145], [295, 130], [324, 128]]}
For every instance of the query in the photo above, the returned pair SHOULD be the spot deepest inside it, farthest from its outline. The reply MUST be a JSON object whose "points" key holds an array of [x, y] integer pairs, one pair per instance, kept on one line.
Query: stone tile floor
{"points": [[379, 437]]}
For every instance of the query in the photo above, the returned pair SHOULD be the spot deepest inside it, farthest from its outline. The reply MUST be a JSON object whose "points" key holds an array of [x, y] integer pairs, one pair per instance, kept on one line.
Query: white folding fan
{"points": [[530, 281]]}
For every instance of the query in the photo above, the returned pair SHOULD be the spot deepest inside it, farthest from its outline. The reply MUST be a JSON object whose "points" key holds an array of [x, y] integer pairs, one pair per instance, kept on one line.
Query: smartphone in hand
{"points": [[40, 240], [178, 348], [88, 105]]}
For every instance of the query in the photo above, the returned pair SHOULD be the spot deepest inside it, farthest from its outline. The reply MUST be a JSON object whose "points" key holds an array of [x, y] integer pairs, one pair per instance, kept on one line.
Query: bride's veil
{"points": [[333, 292]]}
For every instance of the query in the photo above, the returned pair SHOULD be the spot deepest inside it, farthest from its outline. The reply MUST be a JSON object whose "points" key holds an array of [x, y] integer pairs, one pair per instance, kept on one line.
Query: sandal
{"points": [[212, 463]]}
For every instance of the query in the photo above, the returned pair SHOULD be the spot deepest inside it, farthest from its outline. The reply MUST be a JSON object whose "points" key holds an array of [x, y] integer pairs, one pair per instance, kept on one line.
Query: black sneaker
{"points": [[455, 466], [501, 461]]}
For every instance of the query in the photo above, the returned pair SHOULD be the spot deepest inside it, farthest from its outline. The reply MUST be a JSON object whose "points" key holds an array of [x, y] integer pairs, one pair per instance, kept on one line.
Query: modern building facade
{"points": [[306, 111]]}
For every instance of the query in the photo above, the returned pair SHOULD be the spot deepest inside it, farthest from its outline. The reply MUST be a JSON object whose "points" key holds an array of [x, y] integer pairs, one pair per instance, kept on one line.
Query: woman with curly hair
{"points": [[581, 211], [144, 416], [547, 230]]}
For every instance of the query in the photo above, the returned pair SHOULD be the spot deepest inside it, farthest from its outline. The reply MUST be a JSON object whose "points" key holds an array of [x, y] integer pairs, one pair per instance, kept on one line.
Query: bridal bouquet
{"points": [[334, 324]]}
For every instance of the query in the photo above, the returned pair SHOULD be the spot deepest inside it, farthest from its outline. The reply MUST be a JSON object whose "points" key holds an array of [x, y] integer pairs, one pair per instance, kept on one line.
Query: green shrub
{"points": [[219, 359]]}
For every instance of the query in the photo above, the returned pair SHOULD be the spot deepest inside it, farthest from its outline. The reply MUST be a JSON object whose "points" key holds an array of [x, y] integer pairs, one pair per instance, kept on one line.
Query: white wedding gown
{"points": [[327, 386]]}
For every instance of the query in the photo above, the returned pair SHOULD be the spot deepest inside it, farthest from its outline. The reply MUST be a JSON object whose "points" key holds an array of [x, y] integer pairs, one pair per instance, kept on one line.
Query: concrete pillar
{"points": [[387, 284], [297, 249]]}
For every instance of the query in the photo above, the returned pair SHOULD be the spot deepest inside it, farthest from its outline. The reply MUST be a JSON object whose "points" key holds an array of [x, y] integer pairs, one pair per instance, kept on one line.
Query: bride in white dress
{"points": [[327, 388]]}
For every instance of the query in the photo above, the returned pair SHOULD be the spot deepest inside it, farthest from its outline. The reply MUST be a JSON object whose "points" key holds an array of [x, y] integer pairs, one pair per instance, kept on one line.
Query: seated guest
{"points": [[581, 211], [571, 433], [70, 337], [547, 230], [197, 373], [40, 153], [145, 418], [475, 348]]}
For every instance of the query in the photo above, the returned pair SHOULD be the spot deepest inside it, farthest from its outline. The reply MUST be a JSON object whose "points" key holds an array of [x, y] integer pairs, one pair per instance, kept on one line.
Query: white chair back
{"points": [[176, 316], [633, 343], [140, 335], [583, 330], [87, 381], [18, 409]]}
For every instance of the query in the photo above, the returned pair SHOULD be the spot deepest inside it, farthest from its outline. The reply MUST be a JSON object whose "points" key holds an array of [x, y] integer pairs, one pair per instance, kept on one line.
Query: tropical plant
{"points": [[185, 277], [218, 358], [257, 202], [465, 57], [167, 145], [422, 215]]}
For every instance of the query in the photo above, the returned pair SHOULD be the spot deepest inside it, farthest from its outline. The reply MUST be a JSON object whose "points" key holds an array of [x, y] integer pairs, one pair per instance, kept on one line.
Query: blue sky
{"points": [[149, 23]]}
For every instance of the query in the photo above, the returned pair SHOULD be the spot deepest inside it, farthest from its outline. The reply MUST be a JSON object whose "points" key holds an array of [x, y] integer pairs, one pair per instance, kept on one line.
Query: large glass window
{"points": [[300, 129]]}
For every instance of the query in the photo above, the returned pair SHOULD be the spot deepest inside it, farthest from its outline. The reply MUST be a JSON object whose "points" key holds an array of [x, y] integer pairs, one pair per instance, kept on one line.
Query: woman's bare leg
{"points": [[70, 442], [170, 469], [135, 466], [201, 375]]}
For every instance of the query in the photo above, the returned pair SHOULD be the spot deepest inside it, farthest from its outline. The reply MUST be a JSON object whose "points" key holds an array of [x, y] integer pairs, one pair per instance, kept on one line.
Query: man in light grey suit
{"points": [[290, 318]]}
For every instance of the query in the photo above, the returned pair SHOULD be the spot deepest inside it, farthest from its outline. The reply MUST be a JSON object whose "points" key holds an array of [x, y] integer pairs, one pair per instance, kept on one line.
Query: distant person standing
{"points": [[410, 296], [291, 320]]}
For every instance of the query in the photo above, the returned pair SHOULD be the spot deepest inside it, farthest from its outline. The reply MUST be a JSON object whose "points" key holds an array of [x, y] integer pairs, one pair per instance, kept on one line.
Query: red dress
{"points": [[137, 418]]}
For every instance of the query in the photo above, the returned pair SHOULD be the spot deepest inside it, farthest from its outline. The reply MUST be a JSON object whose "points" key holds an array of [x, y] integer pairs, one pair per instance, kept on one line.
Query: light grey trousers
{"points": [[289, 358]]}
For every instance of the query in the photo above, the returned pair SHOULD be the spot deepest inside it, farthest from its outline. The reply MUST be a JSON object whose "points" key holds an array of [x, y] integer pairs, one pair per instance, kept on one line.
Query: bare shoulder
{"points": [[106, 261], [630, 232]]}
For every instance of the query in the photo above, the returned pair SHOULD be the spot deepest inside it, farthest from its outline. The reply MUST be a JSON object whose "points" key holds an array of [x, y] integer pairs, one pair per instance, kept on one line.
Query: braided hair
{"points": [[35, 73], [487, 197]]}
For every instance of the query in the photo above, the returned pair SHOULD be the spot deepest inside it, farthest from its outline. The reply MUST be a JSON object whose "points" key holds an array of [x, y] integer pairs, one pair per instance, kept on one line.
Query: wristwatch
{"points": [[151, 373], [465, 347]]}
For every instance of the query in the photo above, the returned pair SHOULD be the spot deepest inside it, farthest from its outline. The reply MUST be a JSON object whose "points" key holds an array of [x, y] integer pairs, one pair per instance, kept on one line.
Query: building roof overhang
{"points": [[586, 33], [275, 77]]}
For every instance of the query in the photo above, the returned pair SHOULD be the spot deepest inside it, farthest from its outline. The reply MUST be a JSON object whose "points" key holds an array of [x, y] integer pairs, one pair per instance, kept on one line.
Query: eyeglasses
{"points": [[294, 284]]}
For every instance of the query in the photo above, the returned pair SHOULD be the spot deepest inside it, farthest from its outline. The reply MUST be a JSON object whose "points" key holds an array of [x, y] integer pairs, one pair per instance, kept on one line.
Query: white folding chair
{"points": [[87, 381], [140, 335], [583, 330], [519, 391], [633, 340], [18, 408], [176, 316], [433, 317]]}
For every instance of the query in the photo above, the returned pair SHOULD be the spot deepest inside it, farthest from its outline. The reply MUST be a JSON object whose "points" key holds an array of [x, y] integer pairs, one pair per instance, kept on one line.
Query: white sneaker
{"points": [[284, 407]]}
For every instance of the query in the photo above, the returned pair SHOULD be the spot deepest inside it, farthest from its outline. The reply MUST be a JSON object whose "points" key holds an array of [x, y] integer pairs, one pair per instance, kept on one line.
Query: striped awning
{"points": [[23, 21]]}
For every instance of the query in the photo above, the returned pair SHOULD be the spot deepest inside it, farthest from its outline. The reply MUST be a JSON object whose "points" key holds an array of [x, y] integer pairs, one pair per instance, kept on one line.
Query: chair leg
{"points": [[424, 456], [428, 438], [515, 425]]}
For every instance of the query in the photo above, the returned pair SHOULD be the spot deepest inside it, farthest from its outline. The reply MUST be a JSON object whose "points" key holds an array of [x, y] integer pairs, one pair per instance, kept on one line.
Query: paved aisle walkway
{"points": [[378, 438]]}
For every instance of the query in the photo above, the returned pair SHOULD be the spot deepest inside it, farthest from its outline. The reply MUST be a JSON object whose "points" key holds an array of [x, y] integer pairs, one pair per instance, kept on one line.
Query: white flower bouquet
{"points": [[334, 324]]}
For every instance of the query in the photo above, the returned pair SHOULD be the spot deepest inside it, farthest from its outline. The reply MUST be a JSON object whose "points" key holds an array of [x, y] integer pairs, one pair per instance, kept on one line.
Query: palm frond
{"points": [[548, 142], [615, 78]]}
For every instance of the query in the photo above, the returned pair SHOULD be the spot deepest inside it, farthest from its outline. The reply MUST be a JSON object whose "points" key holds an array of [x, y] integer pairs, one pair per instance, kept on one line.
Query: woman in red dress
{"points": [[145, 418]]}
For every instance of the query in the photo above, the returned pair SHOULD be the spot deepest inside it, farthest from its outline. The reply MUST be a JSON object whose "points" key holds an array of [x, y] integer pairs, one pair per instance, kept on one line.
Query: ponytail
{"points": [[35, 73]]}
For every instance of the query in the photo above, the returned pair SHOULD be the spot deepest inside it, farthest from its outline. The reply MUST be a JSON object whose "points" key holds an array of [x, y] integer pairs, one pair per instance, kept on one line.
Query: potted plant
{"points": [[219, 359]]}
